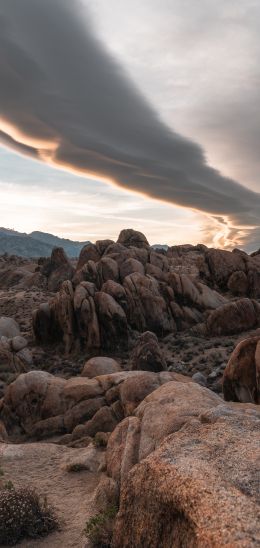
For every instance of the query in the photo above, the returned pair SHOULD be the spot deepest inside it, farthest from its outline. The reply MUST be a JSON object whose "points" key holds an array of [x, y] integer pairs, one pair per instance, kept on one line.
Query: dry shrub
{"points": [[23, 513], [99, 528]]}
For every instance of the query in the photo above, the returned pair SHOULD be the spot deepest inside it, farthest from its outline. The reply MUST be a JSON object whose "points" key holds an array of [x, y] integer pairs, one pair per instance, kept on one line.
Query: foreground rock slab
{"points": [[200, 488]]}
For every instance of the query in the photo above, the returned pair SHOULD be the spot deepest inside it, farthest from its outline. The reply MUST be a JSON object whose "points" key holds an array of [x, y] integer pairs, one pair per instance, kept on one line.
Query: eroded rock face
{"points": [[57, 269], [147, 355], [191, 480], [234, 317], [130, 237], [88, 253], [128, 286], [241, 381], [38, 405]]}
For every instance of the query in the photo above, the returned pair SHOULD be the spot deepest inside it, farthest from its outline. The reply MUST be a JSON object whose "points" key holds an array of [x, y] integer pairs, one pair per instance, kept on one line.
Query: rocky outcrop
{"points": [[130, 237], [162, 412], [15, 356], [147, 355], [128, 286], [57, 269], [183, 494], [147, 309], [38, 405], [241, 380], [88, 253], [234, 317]]}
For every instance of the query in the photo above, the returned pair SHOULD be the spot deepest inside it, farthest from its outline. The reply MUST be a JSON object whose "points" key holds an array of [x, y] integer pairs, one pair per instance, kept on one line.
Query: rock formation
{"points": [[125, 286], [241, 381]]}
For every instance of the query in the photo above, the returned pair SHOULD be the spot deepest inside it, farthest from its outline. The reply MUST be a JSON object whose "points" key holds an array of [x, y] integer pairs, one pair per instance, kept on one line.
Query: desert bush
{"points": [[100, 440], [99, 528], [23, 513]]}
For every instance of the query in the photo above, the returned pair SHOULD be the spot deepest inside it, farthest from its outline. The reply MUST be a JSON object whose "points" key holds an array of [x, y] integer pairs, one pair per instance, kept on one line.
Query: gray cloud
{"points": [[72, 103]]}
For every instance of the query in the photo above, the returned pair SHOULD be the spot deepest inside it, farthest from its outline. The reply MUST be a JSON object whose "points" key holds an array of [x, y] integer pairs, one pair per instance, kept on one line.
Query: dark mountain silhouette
{"points": [[36, 244]]}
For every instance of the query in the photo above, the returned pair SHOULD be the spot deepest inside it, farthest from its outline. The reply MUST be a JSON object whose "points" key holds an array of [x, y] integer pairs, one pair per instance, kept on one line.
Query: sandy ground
{"points": [[41, 466]]}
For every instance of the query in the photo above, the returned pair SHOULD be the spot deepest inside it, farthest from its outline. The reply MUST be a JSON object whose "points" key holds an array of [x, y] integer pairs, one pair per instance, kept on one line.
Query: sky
{"points": [[131, 114]]}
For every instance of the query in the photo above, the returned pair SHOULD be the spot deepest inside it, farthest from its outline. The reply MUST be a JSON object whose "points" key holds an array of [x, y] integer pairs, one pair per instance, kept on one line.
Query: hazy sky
{"points": [[154, 104]]}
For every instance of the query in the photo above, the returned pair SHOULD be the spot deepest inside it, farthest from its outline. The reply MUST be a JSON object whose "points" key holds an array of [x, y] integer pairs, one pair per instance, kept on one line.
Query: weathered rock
{"points": [[57, 269], [86, 316], [129, 237], [233, 317], [112, 321], [241, 380], [102, 245], [18, 343], [192, 293], [129, 266], [9, 327], [198, 489], [238, 283], [38, 405], [100, 366], [199, 378], [163, 411], [223, 263], [107, 269], [147, 309], [117, 291], [147, 355], [88, 253]]}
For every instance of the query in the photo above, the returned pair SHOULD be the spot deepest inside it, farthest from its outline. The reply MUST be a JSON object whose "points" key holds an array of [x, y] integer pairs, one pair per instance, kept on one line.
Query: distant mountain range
{"points": [[35, 244]]}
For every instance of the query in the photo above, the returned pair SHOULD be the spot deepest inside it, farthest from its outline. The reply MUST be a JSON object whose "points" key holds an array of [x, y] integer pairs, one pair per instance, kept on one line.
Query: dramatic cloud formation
{"points": [[65, 100]]}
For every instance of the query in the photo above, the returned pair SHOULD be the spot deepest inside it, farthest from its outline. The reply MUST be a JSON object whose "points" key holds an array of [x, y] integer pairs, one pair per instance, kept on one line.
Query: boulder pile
{"points": [[118, 288]]}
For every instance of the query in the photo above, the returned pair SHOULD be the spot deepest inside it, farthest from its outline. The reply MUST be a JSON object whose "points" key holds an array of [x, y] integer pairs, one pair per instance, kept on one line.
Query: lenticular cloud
{"points": [[65, 100]]}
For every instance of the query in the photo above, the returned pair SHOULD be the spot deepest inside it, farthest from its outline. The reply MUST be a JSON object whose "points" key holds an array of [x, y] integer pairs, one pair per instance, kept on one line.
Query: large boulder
{"points": [[147, 355], [198, 488], [129, 237], [241, 380], [147, 309], [9, 327], [100, 366], [87, 325], [223, 263], [238, 283], [88, 253], [57, 269], [163, 411], [112, 321], [234, 317]]}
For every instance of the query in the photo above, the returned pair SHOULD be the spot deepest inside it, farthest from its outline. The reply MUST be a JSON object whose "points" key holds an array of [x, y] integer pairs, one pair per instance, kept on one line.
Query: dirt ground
{"points": [[41, 466]]}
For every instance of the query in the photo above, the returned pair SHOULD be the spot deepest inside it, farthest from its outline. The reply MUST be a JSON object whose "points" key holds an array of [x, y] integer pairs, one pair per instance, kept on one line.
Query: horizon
{"points": [[103, 127]]}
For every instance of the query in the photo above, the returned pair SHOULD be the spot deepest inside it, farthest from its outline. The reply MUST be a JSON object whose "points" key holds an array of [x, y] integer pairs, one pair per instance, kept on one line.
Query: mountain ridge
{"points": [[36, 243]]}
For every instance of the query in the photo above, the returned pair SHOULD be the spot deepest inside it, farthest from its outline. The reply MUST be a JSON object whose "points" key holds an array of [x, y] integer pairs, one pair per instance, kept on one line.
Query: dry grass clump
{"points": [[23, 513], [99, 528]]}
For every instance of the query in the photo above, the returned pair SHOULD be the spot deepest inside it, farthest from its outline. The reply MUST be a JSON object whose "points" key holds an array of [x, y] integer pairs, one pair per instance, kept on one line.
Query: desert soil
{"points": [[42, 466]]}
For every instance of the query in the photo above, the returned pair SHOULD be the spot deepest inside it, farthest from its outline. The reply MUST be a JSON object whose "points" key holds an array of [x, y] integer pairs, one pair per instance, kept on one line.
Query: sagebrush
{"points": [[24, 513]]}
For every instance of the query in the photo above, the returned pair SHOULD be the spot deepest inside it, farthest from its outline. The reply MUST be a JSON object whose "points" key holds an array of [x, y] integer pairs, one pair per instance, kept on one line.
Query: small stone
{"points": [[199, 378], [18, 343]]}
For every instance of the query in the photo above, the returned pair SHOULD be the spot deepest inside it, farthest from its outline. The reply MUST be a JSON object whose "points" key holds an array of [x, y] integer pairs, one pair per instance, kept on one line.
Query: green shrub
{"points": [[99, 528], [23, 513]]}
